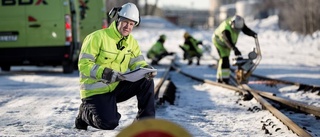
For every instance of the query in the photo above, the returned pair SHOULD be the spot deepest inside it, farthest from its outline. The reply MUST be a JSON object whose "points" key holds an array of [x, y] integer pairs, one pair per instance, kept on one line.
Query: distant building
{"points": [[181, 16], [218, 11], [221, 9], [187, 17]]}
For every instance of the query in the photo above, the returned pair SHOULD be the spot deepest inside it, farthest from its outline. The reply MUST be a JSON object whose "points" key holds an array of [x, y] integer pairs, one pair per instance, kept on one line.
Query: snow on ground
{"points": [[44, 102]]}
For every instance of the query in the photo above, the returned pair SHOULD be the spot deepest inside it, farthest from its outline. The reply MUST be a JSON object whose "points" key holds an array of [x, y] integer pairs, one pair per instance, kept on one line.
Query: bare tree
{"points": [[154, 7], [146, 7], [297, 15]]}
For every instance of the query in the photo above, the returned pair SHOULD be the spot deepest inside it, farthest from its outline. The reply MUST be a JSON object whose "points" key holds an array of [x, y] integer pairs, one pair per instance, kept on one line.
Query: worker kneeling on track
{"points": [[158, 51], [191, 48], [225, 38]]}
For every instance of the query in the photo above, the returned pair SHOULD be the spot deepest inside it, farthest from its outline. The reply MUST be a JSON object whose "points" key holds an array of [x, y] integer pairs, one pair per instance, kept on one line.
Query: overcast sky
{"points": [[197, 4]]}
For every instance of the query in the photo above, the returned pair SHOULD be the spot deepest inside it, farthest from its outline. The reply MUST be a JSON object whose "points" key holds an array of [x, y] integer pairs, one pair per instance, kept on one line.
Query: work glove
{"points": [[236, 51], [150, 75], [112, 76], [170, 53]]}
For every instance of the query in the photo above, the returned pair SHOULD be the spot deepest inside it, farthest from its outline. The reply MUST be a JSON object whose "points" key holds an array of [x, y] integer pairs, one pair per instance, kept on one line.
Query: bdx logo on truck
{"points": [[22, 2]]}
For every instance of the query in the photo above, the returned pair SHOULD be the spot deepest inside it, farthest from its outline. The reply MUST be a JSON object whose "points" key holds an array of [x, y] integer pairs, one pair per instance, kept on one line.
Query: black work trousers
{"points": [[100, 111]]}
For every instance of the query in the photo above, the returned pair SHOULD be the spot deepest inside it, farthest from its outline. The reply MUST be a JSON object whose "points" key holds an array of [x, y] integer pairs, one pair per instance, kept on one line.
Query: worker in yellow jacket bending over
{"points": [[225, 38], [105, 55]]}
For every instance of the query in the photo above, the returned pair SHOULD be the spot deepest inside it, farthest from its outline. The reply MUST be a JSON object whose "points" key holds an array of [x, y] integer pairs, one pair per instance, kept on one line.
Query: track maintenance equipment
{"points": [[245, 66]]}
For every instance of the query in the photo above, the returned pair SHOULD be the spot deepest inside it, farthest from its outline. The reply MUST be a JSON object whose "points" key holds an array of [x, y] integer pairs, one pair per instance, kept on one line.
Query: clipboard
{"points": [[137, 74]]}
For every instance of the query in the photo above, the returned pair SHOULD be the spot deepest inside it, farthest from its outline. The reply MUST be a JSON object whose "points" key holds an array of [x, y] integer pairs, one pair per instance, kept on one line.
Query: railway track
{"points": [[268, 100], [258, 79]]}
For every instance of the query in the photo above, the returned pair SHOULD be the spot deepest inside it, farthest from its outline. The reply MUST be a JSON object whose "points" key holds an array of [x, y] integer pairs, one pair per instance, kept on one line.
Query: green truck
{"points": [[46, 32]]}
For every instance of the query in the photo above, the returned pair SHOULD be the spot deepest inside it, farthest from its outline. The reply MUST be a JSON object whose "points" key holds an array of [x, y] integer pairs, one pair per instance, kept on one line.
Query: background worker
{"points": [[158, 51], [104, 56], [225, 38], [191, 48]]}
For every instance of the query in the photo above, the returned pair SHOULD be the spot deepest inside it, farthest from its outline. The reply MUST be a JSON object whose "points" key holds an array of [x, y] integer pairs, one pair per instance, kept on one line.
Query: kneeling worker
{"points": [[158, 51], [105, 55]]}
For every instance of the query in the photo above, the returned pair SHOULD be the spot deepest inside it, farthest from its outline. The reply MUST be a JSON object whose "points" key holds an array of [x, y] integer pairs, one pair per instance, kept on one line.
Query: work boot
{"points": [[198, 60], [223, 81], [79, 123], [154, 62], [184, 56]]}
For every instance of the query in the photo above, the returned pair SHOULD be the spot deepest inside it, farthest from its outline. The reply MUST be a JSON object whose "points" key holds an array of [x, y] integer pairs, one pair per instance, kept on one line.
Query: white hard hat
{"points": [[130, 11], [237, 22]]}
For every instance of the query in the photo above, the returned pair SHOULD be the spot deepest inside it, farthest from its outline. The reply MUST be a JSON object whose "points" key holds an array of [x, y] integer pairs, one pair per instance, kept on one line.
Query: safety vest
{"points": [[225, 25], [191, 46], [99, 51], [156, 50]]}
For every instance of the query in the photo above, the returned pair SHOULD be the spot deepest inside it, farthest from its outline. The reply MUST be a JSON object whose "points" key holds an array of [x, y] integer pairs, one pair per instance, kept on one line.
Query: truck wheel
{"points": [[67, 67], [5, 68]]}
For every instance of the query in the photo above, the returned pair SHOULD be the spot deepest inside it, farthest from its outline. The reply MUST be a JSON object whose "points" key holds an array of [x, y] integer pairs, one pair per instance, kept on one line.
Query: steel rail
{"points": [[303, 107], [302, 86], [240, 91], [161, 94], [288, 122], [310, 109], [258, 96], [163, 78]]}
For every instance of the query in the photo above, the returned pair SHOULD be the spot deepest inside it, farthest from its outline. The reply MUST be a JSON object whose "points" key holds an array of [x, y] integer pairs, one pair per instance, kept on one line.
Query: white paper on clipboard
{"points": [[137, 74]]}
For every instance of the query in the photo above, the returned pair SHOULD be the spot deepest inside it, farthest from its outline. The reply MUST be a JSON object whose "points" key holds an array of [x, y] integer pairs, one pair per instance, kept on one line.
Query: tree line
{"points": [[298, 15]]}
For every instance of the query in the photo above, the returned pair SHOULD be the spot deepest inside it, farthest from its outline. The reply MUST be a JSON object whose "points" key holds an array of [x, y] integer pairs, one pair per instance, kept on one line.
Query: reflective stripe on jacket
{"points": [[225, 25], [99, 51]]}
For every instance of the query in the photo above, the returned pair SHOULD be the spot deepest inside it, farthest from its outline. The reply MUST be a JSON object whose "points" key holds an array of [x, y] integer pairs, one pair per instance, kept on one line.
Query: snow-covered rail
{"points": [[165, 90], [277, 113], [272, 82], [260, 96]]}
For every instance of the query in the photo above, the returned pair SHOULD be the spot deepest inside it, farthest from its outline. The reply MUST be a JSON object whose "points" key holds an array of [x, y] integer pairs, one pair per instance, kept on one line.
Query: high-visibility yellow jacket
{"points": [[99, 51], [191, 47], [225, 25], [157, 49]]}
